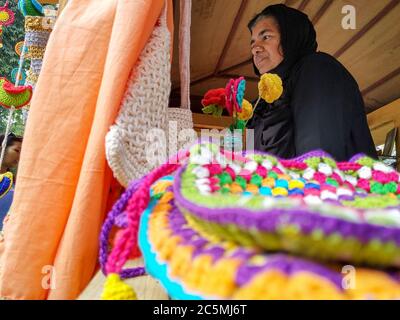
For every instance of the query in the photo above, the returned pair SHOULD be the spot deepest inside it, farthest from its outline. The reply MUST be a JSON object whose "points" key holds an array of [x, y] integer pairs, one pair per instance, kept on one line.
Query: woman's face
{"points": [[265, 45], [12, 154]]}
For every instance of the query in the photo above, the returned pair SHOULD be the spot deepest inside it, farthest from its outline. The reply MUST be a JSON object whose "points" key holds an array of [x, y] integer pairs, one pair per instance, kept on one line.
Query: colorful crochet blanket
{"points": [[246, 226]]}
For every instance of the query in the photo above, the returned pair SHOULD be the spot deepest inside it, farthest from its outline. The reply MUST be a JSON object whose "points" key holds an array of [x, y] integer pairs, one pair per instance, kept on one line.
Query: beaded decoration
{"points": [[11, 96]]}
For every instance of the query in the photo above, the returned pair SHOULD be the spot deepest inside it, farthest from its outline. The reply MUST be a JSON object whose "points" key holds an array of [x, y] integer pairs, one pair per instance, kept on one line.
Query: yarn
{"points": [[11, 96], [116, 289], [144, 107]]}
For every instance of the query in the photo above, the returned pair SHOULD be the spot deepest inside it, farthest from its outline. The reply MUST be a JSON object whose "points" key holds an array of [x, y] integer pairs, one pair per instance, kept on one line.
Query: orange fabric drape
{"points": [[63, 179]]}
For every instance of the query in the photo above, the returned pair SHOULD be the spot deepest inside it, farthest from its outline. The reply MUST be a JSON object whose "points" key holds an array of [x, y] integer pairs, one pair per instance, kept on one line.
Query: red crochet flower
{"points": [[214, 96]]}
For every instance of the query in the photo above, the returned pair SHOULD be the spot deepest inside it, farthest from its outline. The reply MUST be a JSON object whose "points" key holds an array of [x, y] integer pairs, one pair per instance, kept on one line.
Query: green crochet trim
{"points": [[289, 237]]}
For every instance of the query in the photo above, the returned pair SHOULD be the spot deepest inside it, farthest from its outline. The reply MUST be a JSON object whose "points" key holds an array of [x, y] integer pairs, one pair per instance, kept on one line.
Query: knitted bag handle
{"points": [[133, 202], [184, 51]]}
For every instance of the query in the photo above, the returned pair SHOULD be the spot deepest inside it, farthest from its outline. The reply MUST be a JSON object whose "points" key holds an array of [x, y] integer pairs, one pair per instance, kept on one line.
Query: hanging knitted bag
{"points": [[182, 116], [143, 109]]}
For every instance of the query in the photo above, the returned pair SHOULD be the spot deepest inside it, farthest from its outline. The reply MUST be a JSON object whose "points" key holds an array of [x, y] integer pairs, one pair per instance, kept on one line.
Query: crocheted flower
{"points": [[18, 48], [30, 8], [234, 92], [240, 89], [7, 17], [14, 96], [270, 87], [230, 97], [22, 76], [214, 101], [214, 96], [247, 111]]}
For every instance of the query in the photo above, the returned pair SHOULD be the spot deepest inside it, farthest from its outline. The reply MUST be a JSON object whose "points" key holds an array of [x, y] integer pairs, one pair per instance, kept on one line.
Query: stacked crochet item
{"points": [[37, 33], [244, 226]]}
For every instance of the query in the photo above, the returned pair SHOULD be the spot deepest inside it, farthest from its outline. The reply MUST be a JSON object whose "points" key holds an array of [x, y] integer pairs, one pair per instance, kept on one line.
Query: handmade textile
{"points": [[37, 33], [144, 108], [211, 229], [63, 180], [12, 96]]}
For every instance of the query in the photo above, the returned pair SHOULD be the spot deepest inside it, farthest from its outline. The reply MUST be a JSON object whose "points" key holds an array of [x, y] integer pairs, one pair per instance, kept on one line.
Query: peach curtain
{"points": [[63, 179]]}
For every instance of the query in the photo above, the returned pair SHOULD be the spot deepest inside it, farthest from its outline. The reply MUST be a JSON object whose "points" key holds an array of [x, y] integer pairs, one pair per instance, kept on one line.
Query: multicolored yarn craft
{"points": [[22, 76], [7, 16], [235, 226], [6, 182], [37, 33], [30, 8], [12, 96]]}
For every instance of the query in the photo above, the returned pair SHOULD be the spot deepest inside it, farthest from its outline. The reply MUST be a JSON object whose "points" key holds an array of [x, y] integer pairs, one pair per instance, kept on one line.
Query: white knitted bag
{"points": [[144, 107], [183, 115]]}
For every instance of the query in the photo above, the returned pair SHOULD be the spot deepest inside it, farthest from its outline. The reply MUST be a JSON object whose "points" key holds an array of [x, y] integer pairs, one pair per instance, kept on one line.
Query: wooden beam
{"points": [[289, 3], [321, 11], [232, 32], [303, 5], [380, 82], [382, 121], [230, 76], [367, 27], [386, 114]]}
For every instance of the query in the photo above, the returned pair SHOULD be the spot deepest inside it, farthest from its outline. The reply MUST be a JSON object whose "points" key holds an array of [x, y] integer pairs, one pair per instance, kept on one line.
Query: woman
{"points": [[11, 158], [321, 106]]}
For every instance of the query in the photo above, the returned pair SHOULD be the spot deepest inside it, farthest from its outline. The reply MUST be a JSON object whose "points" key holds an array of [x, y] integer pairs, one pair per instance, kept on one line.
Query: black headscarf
{"points": [[321, 106], [298, 37]]}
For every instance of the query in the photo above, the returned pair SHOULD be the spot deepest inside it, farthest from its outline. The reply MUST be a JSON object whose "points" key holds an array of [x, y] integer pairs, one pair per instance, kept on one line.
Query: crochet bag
{"points": [[183, 115], [144, 107], [211, 230]]}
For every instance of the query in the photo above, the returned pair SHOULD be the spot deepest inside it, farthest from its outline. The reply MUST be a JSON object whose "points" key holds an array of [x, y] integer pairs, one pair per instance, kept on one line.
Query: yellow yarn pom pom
{"points": [[116, 289], [270, 87], [247, 111]]}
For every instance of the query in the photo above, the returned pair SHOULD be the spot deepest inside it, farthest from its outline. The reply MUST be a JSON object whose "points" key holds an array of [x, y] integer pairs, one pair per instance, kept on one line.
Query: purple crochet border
{"points": [[112, 218], [269, 220], [245, 272]]}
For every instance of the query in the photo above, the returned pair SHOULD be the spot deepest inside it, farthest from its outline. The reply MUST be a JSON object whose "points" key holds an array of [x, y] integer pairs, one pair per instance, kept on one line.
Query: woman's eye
{"points": [[266, 37]]}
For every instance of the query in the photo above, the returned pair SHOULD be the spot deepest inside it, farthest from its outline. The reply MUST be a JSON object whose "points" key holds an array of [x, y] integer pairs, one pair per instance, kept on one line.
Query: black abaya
{"points": [[321, 106]]}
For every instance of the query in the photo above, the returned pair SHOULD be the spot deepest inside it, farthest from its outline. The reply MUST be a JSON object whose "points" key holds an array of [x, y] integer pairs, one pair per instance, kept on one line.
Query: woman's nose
{"points": [[256, 49]]}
